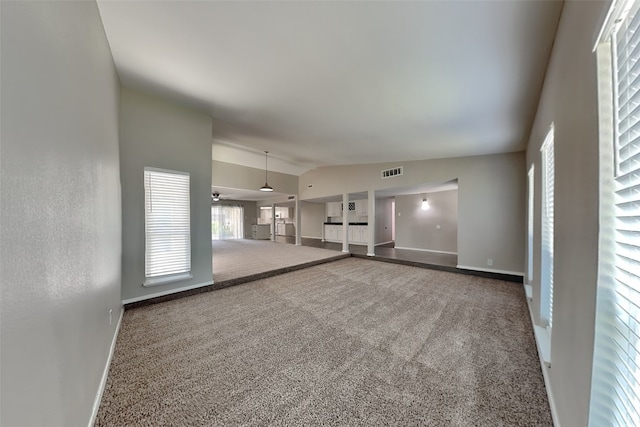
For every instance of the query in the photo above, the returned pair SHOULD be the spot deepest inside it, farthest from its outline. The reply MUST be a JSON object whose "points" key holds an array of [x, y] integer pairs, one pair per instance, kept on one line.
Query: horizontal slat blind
{"points": [[616, 374], [167, 223], [530, 189], [546, 275]]}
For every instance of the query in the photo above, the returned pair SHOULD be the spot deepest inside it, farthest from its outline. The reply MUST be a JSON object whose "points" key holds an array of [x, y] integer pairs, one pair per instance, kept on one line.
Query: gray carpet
{"points": [[352, 342], [245, 257]]}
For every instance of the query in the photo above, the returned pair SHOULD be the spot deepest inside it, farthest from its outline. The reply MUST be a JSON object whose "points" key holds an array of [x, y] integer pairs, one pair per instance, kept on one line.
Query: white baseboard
{"points": [[163, 293], [491, 270], [544, 366], [383, 243], [312, 237], [105, 372], [427, 250], [528, 290]]}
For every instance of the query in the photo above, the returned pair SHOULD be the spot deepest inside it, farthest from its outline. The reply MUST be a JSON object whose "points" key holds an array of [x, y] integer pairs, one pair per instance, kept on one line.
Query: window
{"points": [[615, 390], [530, 189], [227, 222], [546, 261], [167, 226]]}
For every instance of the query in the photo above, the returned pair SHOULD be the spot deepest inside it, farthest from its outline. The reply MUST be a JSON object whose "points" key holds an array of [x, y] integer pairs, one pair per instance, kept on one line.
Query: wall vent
{"points": [[388, 173], [291, 197]]}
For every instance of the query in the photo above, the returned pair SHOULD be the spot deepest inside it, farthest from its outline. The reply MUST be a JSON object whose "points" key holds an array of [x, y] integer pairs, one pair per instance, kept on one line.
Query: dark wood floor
{"points": [[387, 253]]}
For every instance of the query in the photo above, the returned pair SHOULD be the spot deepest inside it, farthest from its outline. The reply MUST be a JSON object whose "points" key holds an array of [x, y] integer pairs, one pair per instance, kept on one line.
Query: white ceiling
{"points": [[343, 82]]}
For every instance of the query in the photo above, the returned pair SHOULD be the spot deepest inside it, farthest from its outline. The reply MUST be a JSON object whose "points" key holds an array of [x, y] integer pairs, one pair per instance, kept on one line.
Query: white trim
{"points": [[312, 237], [383, 243], [165, 280], [427, 250], [368, 254], [167, 292], [491, 270], [105, 372], [545, 374], [528, 291]]}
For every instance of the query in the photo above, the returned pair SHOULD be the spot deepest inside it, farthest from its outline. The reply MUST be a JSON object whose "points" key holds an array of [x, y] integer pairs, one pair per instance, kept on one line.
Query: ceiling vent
{"points": [[388, 173]]}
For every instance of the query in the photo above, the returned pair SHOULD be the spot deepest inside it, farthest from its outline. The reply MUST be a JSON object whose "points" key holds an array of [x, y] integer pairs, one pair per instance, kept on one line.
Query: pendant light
{"points": [[425, 204], [266, 186]]}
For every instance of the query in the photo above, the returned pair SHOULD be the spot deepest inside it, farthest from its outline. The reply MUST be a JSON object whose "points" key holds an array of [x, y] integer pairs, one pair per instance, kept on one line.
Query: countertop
{"points": [[351, 223]]}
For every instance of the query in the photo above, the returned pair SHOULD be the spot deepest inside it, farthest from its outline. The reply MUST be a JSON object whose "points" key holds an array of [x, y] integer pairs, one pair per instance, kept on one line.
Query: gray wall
{"points": [[313, 215], [569, 99], [243, 177], [60, 211], [160, 134], [491, 200], [384, 228], [417, 229], [249, 213]]}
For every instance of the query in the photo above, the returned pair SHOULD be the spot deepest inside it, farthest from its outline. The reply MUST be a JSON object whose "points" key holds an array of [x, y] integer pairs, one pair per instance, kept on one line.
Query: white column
{"points": [[273, 223], [345, 223], [371, 221], [298, 222]]}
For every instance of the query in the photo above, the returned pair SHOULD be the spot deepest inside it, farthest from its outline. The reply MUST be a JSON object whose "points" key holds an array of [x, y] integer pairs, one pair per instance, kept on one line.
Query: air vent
{"points": [[388, 173], [291, 197]]}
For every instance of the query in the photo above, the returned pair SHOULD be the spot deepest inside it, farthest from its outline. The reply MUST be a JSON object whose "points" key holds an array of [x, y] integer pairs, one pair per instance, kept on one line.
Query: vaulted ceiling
{"points": [[343, 82]]}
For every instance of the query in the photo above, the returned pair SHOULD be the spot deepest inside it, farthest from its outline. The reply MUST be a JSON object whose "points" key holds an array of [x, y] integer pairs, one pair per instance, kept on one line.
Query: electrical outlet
{"points": [[110, 316], [489, 262]]}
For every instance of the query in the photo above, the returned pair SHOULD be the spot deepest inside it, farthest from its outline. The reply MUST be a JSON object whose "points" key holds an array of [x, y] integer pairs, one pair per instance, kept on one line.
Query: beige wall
{"points": [[235, 176], [491, 200], [313, 215], [569, 100], [60, 211], [160, 134], [418, 229]]}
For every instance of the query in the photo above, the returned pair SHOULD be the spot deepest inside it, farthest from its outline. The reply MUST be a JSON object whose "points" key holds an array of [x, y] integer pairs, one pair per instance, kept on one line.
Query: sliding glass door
{"points": [[227, 222]]}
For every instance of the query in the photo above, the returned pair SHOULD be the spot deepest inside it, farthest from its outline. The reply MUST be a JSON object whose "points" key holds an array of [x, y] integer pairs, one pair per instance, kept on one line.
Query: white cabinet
{"points": [[358, 234], [282, 212], [333, 233], [362, 207], [334, 209], [283, 229]]}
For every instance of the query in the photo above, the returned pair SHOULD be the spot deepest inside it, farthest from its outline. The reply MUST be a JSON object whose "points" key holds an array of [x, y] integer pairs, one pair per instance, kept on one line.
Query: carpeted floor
{"points": [[351, 342], [244, 257]]}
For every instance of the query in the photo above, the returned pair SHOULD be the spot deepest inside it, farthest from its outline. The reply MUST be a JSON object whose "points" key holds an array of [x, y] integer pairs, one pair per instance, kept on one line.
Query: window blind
{"points": [[615, 394], [167, 223], [530, 199], [546, 273]]}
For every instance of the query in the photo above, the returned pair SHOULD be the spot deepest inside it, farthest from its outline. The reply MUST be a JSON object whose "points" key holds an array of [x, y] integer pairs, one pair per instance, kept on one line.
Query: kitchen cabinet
{"points": [[261, 231], [361, 207], [334, 209], [333, 233], [356, 234], [283, 229]]}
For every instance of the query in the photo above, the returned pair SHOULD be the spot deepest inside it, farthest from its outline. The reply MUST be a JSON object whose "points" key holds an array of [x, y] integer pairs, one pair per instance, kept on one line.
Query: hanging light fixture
{"points": [[425, 204], [266, 186], [215, 197]]}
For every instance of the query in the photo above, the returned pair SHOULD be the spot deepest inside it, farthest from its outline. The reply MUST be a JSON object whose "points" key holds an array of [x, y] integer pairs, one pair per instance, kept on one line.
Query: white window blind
{"points": [[530, 188], [167, 223], [615, 392], [546, 261]]}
